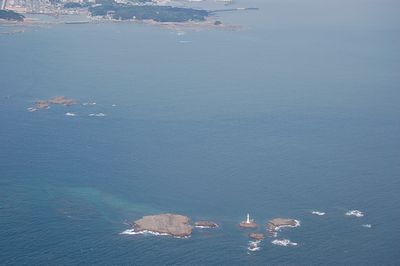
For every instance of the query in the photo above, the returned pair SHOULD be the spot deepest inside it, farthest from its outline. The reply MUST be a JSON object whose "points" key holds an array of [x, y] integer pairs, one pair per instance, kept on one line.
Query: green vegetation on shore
{"points": [[148, 12], [11, 15], [76, 5]]}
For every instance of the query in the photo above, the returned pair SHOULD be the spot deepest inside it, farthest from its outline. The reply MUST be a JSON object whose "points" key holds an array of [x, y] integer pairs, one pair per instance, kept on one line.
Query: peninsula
{"points": [[116, 11]]}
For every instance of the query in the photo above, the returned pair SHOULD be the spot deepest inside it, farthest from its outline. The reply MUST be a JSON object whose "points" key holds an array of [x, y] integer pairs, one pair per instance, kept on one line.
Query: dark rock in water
{"points": [[61, 100], [44, 104], [171, 224], [248, 225], [277, 223], [256, 236], [205, 224]]}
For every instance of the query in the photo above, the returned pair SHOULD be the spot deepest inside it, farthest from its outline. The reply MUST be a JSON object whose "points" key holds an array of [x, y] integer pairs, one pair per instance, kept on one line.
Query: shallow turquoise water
{"points": [[297, 112]]}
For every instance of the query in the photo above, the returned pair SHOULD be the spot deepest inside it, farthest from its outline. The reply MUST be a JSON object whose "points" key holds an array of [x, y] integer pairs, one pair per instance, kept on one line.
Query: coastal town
{"points": [[192, 12]]}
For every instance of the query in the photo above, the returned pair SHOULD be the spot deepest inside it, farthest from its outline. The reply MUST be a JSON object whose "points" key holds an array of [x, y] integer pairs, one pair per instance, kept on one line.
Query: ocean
{"points": [[298, 111]]}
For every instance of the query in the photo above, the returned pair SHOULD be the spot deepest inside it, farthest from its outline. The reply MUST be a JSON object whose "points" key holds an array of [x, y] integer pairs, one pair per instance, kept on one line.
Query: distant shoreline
{"points": [[211, 22]]}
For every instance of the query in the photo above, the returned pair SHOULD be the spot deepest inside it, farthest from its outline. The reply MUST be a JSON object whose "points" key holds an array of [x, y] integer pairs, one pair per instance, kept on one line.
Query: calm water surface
{"points": [[299, 111]]}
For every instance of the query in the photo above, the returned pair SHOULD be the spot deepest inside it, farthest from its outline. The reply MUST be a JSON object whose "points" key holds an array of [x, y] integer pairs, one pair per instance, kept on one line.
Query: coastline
{"points": [[39, 20]]}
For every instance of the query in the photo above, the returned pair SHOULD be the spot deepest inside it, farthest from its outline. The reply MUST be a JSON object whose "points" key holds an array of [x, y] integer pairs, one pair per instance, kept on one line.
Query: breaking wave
{"points": [[205, 227], [318, 213], [98, 114], [147, 232], [297, 224], [253, 246], [144, 232], [89, 104], [283, 242], [355, 213]]}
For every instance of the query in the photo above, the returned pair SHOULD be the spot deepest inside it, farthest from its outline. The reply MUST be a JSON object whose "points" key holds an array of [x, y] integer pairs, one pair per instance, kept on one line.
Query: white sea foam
{"points": [[205, 227], [253, 246], [98, 114], [273, 234], [297, 224], [147, 232], [283, 242], [144, 232], [31, 109], [367, 225], [89, 104], [70, 114], [113, 105], [318, 213], [355, 213]]}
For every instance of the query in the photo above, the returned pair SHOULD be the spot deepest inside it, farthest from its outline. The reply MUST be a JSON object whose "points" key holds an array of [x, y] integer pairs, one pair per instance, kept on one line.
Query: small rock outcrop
{"points": [[250, 224], [205, 224], [277, 223], [274, 225], [256, 236], [44, 104]]}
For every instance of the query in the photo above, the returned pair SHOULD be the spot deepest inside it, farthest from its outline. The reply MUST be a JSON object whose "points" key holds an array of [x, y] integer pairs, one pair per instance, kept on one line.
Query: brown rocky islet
{"points": [[256, 236], [171, 224], [205, 224], [59, 100]]}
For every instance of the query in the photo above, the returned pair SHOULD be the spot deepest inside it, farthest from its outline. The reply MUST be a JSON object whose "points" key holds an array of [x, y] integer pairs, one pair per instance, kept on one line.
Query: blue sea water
{"points": [[298, 111]]}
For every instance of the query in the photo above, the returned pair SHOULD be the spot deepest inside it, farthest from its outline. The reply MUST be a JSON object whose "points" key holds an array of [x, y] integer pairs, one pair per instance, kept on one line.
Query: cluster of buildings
{"points": [[37, 6]]}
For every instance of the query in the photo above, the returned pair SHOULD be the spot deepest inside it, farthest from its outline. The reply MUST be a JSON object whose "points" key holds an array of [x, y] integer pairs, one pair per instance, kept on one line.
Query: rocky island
{"points": [[45, 104], [205, 224], [256, 236], [168, 224], [61, 100], [276, 224], [248, 223]]}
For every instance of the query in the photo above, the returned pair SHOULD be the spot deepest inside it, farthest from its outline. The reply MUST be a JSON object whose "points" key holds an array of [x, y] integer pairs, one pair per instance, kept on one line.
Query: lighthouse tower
{"points": [[248, 223]]}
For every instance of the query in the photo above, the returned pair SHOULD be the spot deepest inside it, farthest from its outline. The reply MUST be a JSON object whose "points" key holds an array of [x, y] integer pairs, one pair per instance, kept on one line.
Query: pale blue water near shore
{"points": [[298, 112]]}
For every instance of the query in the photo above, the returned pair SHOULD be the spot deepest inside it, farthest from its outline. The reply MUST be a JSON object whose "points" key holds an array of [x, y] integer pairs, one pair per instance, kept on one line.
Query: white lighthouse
{"points": [[248, 223]]}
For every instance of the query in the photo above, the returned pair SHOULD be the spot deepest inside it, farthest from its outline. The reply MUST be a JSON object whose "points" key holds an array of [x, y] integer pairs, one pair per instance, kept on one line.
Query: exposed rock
{"points": [[61, 100], [275, 224], [44, 104], [250, 224], [171, 224], [256, 236], [205, 224]]}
